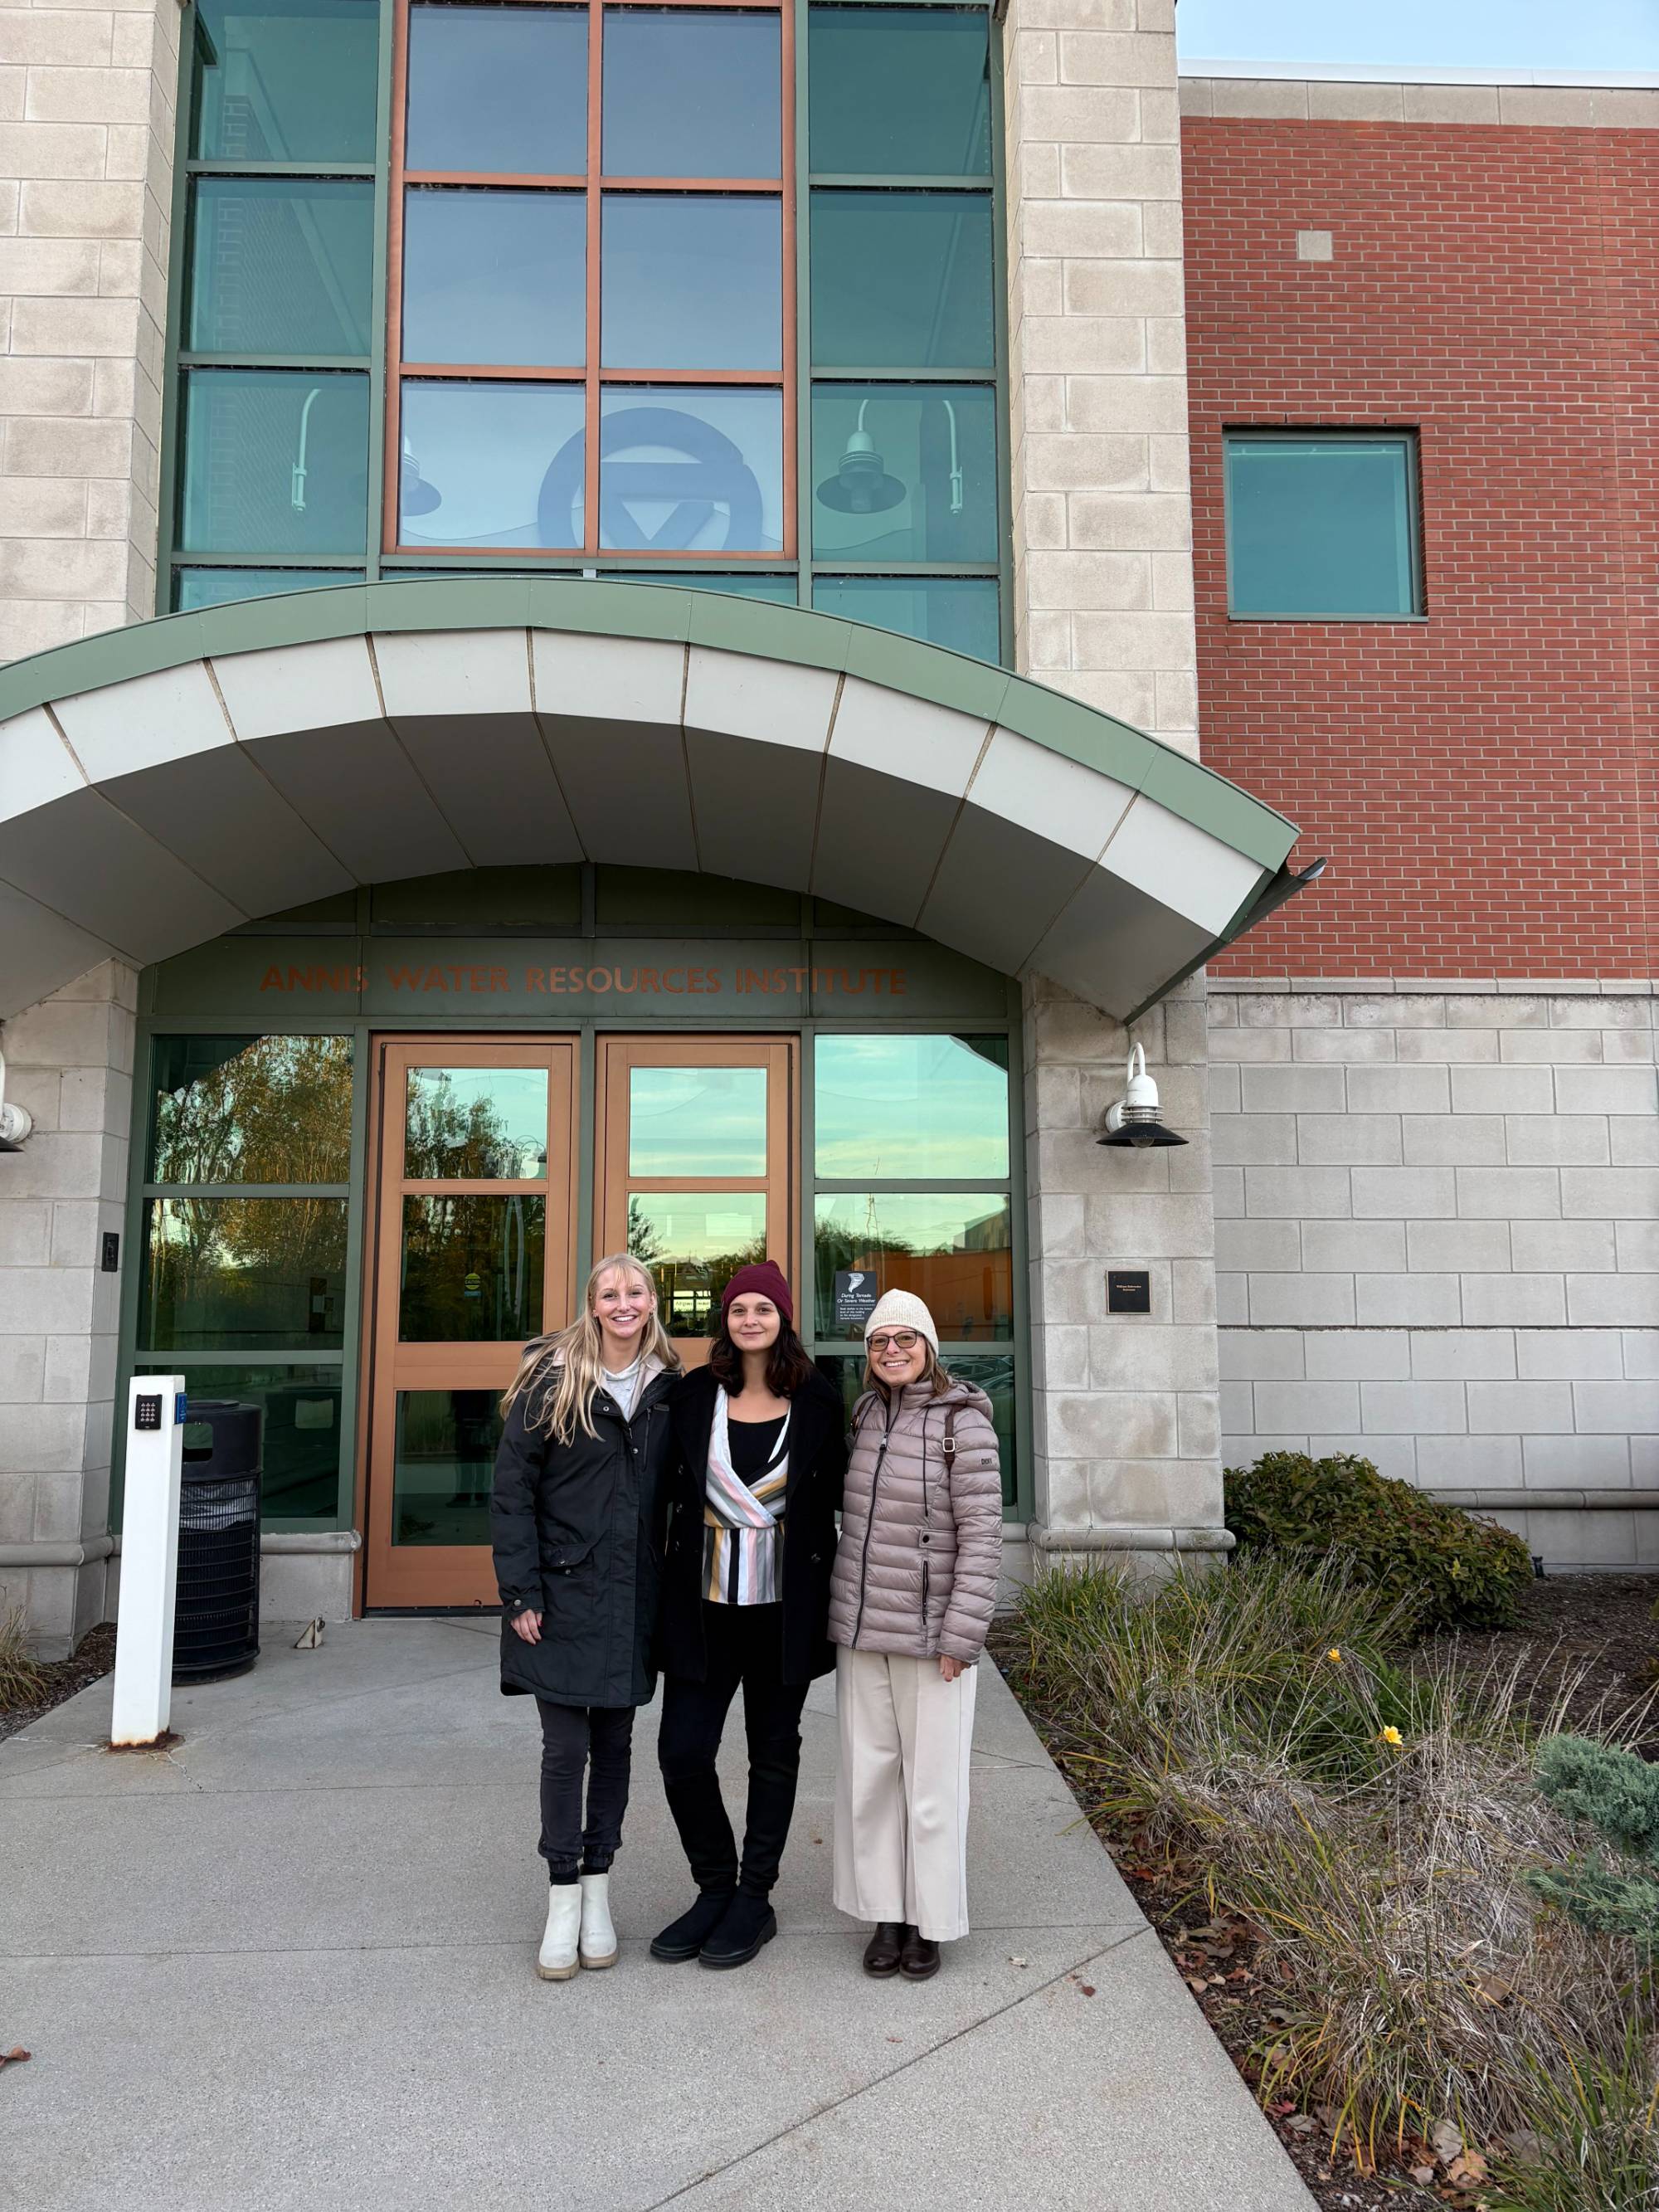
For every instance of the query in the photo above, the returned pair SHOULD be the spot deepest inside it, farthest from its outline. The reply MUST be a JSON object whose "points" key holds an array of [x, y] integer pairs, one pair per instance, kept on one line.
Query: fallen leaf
{"points": [[1447, 2139], [1301, 2124], [1422, 2175], [1087, 1988], [1197, 1985], [14, 2057], [1467, 2170], [1012, 1961]]}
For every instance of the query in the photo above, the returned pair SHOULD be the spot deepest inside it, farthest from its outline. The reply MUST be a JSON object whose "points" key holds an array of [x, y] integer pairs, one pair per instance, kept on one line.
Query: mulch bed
{"points": [[65, 1677], [1601, 1624]]}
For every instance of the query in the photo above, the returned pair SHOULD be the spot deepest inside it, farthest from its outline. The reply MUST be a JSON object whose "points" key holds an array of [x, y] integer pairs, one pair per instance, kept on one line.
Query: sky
{"points": [[1537, 34]]}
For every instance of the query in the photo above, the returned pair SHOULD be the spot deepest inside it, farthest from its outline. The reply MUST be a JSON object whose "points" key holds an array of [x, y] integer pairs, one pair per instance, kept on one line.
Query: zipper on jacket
{"points": [[870, 1523]]}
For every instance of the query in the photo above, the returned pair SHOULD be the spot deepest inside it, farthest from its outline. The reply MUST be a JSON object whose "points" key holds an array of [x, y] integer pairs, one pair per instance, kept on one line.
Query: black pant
{"points": [[598, 1739], [744, 1645]]}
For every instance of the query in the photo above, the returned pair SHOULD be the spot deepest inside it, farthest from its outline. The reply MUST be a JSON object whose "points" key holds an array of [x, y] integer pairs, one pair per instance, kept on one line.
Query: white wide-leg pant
{"points": [[901, 1791]]}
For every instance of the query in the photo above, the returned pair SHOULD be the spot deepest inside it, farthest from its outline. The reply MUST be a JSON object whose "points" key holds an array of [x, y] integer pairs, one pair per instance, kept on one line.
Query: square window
{"points": [[901, 280], [691, 280], [275, 461], [280, 266], [485, 464], [495, 277], [904, 471], [1322, 525], [899, 92], [685, 471], [498, 91], [692, 92]]}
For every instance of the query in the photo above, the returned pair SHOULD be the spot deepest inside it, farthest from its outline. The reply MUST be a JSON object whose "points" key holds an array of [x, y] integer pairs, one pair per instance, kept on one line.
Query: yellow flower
{"points": [[1391, 1735], [1334, 1656]]}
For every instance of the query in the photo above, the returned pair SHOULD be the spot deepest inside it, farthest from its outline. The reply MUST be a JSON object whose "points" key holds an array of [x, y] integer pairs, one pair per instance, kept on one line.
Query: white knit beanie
{"points": [[902, 1309]]}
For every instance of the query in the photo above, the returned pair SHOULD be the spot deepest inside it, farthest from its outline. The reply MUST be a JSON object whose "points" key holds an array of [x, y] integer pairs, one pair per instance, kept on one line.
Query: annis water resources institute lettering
{"points": [[466, 977]]}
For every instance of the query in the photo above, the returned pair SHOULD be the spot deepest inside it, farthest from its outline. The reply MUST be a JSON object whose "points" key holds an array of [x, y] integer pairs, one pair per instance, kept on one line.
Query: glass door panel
{"points": [[697, 1172], [474, 1240]]}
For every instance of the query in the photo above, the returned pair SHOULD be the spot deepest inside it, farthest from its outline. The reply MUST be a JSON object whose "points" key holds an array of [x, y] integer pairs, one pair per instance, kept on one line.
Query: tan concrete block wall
{"points": [[69, 1063], [1097, 360], [87, 100]]}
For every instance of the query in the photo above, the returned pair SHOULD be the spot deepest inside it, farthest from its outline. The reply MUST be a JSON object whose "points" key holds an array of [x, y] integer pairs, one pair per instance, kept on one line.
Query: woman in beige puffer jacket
{"points": [[910, 1601]]}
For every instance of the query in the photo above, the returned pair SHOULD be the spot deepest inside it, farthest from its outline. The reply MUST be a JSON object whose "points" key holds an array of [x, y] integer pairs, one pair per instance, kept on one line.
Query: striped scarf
{"points": [[740, 1528]]}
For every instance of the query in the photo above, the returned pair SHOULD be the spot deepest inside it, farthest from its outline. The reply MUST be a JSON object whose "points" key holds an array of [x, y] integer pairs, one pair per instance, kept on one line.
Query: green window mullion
{"points": [[321, 170], [315, 364]]}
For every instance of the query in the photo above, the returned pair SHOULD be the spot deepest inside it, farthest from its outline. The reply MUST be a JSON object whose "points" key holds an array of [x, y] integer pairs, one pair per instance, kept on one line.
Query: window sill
{"points": [[1408, 622]]}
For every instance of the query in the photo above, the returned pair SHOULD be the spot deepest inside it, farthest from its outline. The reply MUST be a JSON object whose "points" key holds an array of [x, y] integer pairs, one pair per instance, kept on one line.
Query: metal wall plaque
{"points": [[1128, 1290], [855, 1296], [111, 1262]]}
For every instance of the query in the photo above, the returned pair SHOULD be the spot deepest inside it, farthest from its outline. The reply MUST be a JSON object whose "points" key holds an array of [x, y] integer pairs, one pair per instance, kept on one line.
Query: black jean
{"points": [[597, 1741], [744, 1647]]}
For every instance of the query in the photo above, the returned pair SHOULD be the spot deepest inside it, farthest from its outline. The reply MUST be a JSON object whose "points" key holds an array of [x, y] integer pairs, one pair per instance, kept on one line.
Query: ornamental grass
{"points": [[22, 1681], [1374, 1816]]}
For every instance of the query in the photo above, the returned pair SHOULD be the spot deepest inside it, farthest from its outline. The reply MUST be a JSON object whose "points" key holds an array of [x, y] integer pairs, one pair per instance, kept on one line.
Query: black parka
{"points": [[575, 1530], [817, 1466]]}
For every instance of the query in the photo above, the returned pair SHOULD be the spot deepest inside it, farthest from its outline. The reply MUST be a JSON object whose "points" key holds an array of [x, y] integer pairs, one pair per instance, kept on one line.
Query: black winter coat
{"points": [[817, 1466], [573, 1528]]}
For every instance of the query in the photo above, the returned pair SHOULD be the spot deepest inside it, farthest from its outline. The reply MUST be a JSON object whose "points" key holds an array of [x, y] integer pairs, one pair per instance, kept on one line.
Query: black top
{"points": [[753, 1444], [817, 1462]]}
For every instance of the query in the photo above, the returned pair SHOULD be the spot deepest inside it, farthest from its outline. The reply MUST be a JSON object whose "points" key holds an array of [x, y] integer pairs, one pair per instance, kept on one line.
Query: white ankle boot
{"points": [[556, 1959], [598, 1937]]}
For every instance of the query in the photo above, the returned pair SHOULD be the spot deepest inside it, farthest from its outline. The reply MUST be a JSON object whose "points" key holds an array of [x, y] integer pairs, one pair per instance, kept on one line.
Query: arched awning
{"points": [[162, 784]]}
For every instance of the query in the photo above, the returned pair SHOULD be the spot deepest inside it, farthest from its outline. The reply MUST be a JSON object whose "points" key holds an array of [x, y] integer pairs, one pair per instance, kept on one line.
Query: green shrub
{"points": [[1617, 1795], [1452, 1570]]}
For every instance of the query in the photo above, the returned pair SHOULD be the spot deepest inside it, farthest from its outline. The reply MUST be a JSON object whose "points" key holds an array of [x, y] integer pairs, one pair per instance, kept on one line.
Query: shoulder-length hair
{"points": [[560, 1373], [788, 1363], [935, 1374]]}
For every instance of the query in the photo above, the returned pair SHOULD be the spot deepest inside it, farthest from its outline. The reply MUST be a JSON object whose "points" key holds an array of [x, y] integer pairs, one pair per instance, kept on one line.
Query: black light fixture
{"points": [[860, 484], [1132, 1120]]}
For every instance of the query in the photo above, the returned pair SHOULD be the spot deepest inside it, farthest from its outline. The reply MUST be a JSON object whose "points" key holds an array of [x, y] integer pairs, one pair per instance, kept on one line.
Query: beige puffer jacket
{"points": [[915, 1571]]}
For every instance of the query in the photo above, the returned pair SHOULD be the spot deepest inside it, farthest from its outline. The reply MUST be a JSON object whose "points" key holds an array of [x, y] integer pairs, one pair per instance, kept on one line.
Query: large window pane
{"points": [[275, 461], [692, 281], [901, 92], [687, 470], [959, 612], [931, 1106], [473, 1270], [901, 280], [691, 92], [491, 464], [280, 266], [1320, 524], [954, 1251], [300, 1431], [229, 1274], [495, 277], [697, 1122], [502, 91], [443, 1466], [216, 588], [476, 1124], [694, 1243], [905, 471], [251, 1109], [285, 80], [991, 1372]]}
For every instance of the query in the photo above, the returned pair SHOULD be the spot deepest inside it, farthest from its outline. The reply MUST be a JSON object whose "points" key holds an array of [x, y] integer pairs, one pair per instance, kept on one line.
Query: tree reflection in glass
{"points": [[475, 1124], [232, 1110], [222, 1274]]}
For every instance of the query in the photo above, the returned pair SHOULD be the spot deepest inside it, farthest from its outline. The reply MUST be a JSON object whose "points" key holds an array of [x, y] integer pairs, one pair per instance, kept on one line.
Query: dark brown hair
{"points": [[788, 1362]]}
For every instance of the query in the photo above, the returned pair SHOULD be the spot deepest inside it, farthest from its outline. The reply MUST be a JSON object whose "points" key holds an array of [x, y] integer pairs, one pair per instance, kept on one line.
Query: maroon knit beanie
{"points": [[765, 1279]]}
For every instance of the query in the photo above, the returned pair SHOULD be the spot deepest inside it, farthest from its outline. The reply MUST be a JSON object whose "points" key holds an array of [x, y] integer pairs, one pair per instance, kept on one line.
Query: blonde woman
{"points": [[910, 1601], [572, 1517]]}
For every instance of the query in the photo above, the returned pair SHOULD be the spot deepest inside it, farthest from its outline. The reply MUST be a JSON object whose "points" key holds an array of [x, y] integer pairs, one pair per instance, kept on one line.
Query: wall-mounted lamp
{"points": [[16, 1124], [861, 484], [1133, 1119]]}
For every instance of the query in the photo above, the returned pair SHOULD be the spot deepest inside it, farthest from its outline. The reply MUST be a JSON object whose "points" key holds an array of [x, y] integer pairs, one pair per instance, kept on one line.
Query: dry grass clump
{"points": [[22, 1680], [1374, 1821]]}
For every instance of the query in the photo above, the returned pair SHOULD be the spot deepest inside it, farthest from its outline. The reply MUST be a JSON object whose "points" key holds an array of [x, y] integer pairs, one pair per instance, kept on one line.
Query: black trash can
{"points": [[215, 1622]]}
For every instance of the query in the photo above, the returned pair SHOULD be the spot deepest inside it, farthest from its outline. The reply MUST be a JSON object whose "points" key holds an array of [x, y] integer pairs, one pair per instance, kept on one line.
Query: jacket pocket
{"points": [[561, 1559]]}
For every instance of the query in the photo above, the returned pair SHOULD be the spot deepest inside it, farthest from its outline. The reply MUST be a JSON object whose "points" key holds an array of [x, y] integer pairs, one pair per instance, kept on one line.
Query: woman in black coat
{"points": [[574, 1520], [754, 1481]]}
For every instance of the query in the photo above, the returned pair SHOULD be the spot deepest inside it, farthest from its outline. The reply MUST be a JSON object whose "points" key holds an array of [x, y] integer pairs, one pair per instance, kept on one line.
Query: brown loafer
{"points": [[920, 1957], [884, 1949]]}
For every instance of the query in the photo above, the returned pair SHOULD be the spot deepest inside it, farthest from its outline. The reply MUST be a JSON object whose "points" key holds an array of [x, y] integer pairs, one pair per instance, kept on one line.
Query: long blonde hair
{"points": [[563, 1370]]}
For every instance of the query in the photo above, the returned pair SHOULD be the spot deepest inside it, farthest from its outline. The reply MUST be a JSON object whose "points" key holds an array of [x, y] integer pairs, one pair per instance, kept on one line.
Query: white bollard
{"points": [[149, 1559]]}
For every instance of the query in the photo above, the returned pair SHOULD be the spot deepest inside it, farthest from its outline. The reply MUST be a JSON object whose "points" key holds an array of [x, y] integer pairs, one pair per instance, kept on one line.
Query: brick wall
{"points": [[1483, 781]]}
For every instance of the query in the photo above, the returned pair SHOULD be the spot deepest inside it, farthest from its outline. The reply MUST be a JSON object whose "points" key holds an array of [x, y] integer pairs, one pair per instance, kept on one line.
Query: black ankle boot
{"points": [[746, 1924], [684, 1938]]}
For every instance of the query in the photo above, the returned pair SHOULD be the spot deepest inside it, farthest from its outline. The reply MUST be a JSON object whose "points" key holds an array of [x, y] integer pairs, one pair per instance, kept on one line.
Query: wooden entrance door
{"points": [[697, 1172], [474, 1252]]}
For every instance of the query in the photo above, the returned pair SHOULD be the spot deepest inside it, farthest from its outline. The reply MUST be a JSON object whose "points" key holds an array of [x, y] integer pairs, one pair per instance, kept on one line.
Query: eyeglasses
{"points": [[902, 1340]]}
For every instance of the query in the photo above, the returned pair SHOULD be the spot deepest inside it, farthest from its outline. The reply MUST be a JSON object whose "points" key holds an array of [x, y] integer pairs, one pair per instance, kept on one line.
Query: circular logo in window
{"points": [[665, 477]]}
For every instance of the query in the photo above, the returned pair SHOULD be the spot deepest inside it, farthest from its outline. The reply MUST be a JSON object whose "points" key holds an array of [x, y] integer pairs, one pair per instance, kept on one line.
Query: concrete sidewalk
{"points": [[290, 1964]]}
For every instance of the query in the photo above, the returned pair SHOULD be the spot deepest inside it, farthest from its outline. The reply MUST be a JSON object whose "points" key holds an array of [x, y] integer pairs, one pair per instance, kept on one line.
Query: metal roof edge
{"points": [[675, 614]]}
